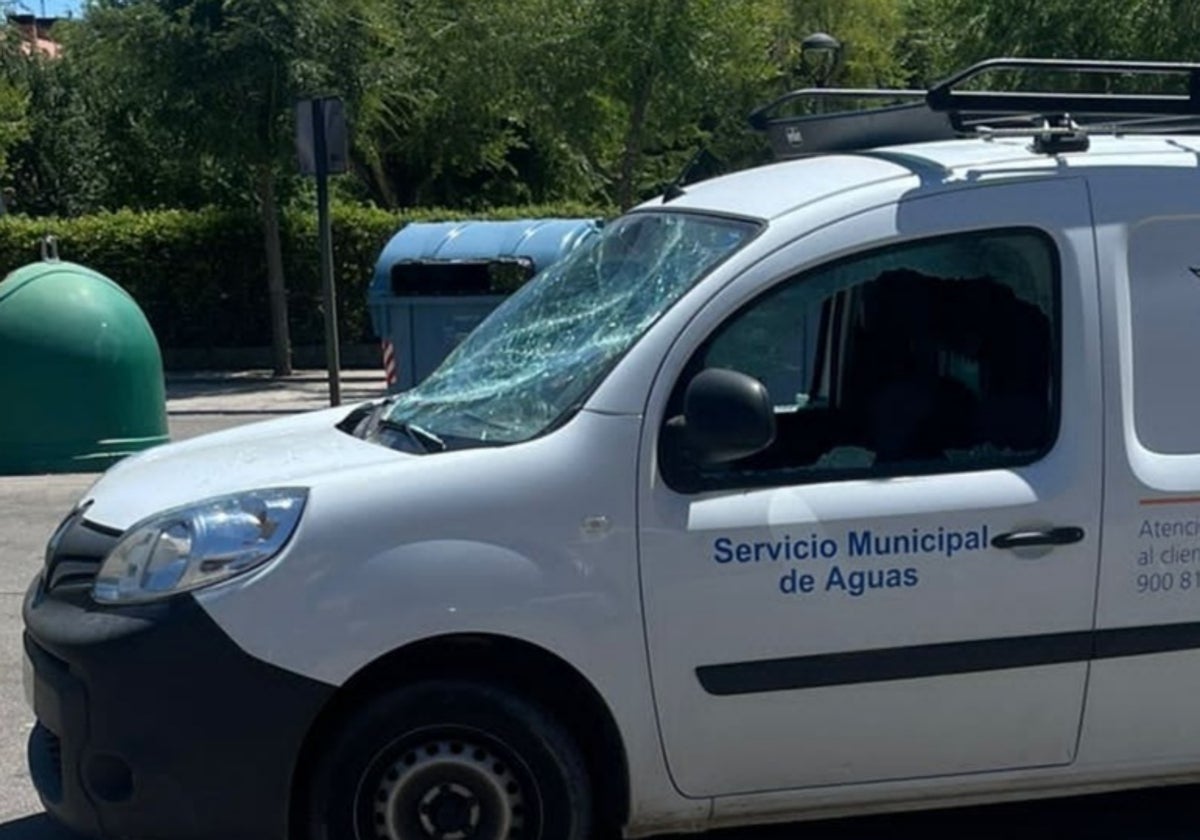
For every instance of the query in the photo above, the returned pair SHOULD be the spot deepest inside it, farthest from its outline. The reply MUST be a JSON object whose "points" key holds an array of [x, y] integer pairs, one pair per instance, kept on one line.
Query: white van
{"points": [[855, 482]]}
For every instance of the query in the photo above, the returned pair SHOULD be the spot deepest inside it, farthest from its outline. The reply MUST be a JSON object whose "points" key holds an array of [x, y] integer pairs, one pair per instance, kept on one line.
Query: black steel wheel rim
{"points": [[448, 783]]}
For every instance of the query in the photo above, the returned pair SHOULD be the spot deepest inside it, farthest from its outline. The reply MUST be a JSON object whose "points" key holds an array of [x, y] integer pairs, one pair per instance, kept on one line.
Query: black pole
{"points": [[325, 236]]}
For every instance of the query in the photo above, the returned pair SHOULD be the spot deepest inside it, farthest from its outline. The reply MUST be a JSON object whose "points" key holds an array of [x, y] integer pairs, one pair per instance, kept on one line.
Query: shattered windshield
{"points": [[542, 351]]}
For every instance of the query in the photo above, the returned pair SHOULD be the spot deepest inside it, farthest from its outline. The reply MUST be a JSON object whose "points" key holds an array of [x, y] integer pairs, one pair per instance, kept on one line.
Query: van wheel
{"points": [[450, 760]]}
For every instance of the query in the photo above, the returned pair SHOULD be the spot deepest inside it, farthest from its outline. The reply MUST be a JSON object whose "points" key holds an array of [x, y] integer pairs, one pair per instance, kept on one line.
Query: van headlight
{"points": [[190, 547]]}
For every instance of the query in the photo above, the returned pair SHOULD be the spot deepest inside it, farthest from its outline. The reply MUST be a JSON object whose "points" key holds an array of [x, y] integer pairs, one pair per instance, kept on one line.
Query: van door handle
{"points": [[1024, 539]]}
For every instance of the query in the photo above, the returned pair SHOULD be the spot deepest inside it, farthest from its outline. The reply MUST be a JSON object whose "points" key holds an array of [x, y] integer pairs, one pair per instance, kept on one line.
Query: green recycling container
{"points": [[81, 377]]}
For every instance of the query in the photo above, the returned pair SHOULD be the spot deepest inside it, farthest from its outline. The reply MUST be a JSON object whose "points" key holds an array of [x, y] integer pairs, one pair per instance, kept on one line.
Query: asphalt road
{"points": [[32, 506]]}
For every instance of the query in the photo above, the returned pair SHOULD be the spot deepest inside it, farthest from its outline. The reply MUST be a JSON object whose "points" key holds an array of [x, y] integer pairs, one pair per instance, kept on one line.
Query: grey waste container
{"points": [[434, 283]]}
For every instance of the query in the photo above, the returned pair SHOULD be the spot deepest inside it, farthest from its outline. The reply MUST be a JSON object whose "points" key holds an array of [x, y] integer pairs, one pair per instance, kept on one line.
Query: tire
{"points": [[450, 760]]}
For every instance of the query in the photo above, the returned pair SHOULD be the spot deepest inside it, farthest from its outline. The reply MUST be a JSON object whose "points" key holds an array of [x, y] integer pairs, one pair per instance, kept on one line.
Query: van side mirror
{"points": [[727, 415]]}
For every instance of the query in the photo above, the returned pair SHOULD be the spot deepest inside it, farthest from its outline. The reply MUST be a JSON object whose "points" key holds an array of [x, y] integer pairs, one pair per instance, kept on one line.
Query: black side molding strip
{"points": [[1140, 641], [944, 659]]}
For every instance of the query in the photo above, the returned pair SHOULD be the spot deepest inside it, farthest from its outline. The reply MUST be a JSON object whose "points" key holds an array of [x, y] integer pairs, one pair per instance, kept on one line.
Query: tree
{"points": [[456, 123], [668, 70], [16, 67], [462, 103], [537, 100], [1104, 29], [214, 81]]}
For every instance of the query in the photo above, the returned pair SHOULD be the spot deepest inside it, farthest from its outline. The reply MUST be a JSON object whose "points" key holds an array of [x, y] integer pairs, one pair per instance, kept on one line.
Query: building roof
{"points": [[35, 34]]}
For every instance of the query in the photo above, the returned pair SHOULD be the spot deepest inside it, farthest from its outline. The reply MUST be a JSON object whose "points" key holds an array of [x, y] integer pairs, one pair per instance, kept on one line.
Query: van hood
{"points": [[292, 451]]}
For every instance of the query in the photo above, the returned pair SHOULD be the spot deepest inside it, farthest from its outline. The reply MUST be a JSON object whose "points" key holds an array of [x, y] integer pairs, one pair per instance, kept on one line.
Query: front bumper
{"points": [[153, 723]]}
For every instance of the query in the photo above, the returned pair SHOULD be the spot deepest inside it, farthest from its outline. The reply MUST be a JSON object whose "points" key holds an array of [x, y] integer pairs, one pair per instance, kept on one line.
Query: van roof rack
{"points": [[1056, 122]]}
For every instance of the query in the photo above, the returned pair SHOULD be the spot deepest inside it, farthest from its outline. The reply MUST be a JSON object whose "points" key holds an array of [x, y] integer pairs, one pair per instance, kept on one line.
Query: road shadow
{"points": [[39, 827], [1167, 814], [1153, 814]]}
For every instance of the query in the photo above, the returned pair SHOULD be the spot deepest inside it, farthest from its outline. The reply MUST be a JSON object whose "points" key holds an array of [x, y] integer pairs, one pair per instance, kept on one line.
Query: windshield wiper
{"points": [[424, 438]]}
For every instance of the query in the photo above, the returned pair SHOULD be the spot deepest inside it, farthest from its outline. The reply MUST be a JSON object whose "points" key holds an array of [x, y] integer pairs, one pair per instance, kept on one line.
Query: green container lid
{"points": [[81, 377]]}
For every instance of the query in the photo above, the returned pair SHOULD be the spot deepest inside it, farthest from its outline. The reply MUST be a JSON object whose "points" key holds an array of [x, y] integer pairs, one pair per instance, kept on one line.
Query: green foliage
{"points": [[213, 83], [1104, 29], [479, 103], [216, 74], [671, 73], [459, 103], [14, 96], [198, 274], [465, 104]]}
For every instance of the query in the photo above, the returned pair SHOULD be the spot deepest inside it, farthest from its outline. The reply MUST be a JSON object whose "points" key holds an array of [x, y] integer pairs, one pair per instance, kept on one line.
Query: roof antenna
{"points": [[675, 189]]}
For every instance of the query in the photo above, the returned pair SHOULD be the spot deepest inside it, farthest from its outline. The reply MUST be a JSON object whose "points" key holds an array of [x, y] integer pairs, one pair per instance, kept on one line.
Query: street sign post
{"points": [[322, 146]]}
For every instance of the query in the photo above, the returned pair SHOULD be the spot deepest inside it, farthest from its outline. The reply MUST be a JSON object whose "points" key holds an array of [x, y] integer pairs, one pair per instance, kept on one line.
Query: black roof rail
{"points": [[1058, 121], [888, 125], [945, 97]]}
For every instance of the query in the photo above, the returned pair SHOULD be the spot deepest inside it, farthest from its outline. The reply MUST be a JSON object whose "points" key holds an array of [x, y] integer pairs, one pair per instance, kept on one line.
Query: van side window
{"points": [[934, 356], [1164, 314]]}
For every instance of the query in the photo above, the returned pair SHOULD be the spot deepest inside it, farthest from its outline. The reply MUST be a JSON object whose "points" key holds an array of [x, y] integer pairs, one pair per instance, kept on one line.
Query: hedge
{"points": [[200, 276]]}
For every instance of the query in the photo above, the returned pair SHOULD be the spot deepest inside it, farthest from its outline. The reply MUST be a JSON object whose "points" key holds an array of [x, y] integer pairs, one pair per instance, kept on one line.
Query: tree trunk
{"points": [[381, 182], [633, 144], [281, 342]]}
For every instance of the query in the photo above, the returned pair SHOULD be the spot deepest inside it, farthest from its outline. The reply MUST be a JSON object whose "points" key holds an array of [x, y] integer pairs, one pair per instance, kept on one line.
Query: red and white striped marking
{"points": [[389, 363]]}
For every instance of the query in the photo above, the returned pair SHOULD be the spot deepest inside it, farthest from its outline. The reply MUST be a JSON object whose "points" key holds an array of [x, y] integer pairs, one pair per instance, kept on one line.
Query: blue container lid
{"points": [[541, 242]]}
